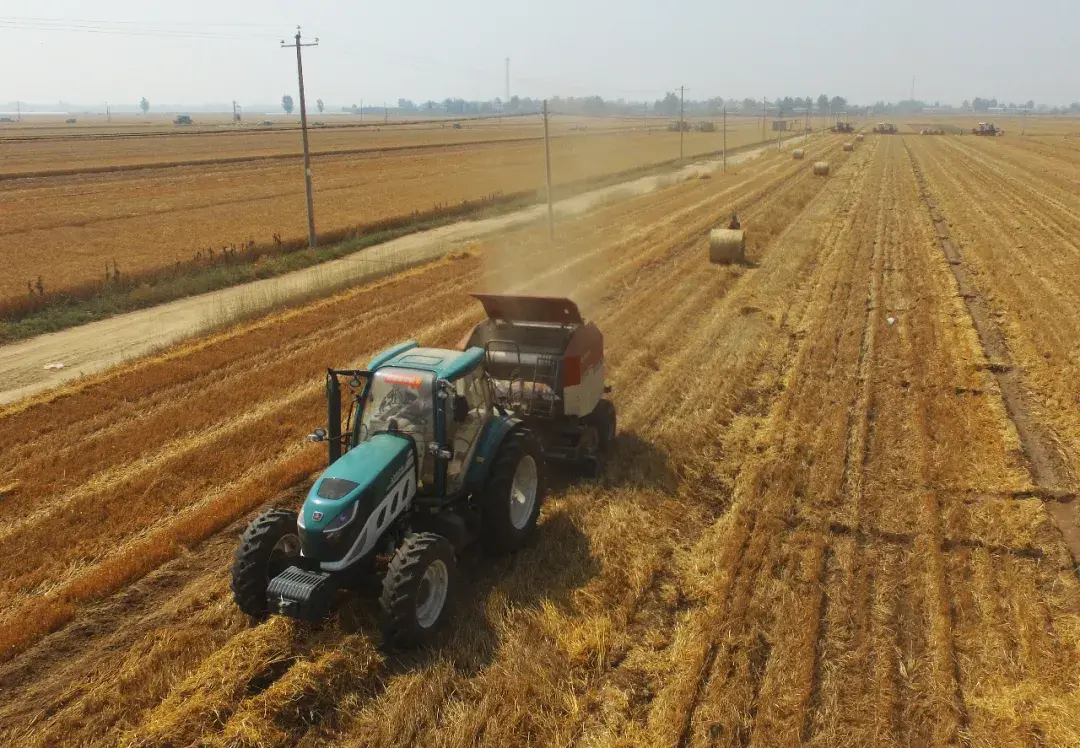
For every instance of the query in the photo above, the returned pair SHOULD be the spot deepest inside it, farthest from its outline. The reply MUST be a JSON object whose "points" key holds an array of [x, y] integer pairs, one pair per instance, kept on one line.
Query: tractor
{"points": [[885, 128], [434, 450], [183, 119], [987, 129]]}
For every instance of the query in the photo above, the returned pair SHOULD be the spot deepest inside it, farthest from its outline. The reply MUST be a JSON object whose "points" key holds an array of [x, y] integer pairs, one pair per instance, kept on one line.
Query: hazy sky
{"points": [[862, 49]]}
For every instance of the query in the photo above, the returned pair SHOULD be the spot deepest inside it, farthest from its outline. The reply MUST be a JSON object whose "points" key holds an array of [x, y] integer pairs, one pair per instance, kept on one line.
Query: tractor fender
{"points": [[491, 438]]}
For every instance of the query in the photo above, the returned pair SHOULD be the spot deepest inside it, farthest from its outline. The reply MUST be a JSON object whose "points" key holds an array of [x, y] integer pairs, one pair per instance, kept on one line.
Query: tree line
{"points": [[597, 106], [670, 104]]}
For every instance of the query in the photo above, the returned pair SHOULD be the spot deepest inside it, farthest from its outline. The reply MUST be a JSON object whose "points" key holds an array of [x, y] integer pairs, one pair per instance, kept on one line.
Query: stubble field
{"points": [[838, 513], [71, 204]]}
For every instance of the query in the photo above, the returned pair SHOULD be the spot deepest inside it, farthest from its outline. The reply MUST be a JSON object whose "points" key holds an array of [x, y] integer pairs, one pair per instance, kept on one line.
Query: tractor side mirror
{"points": [[318, 436], [461, 409]]}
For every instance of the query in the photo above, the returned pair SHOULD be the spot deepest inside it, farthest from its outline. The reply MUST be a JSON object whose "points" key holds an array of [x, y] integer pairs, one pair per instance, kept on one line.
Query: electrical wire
{"points": [[199, 24], [134, 28]]}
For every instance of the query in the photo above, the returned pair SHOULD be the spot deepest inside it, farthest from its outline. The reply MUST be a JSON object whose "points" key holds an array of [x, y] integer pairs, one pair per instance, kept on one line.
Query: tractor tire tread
{"points": [[398, 619], [249, 589]]}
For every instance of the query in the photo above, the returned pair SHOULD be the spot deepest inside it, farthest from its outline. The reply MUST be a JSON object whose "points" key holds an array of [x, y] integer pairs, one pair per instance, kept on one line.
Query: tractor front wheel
{"points": [[418, 590], [510, 502], [267, 548]]}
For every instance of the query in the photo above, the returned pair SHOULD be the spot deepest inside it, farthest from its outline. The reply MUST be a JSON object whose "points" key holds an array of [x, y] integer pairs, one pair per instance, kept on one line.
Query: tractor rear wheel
{"points": [[510, 502], [418, 590], [602, 419], [267, 548]]}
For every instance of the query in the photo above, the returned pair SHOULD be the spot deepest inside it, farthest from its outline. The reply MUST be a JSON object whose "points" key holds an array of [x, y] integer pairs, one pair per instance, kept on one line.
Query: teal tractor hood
{"points": [[363, 476]]}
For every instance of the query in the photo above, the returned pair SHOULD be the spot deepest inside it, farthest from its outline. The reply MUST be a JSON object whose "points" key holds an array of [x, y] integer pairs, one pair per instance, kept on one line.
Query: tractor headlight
{"points": [[341, 521]]}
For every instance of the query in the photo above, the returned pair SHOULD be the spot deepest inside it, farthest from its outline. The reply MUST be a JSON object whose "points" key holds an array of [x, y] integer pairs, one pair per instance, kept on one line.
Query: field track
{"points": [[91, 348], [824, 523]]}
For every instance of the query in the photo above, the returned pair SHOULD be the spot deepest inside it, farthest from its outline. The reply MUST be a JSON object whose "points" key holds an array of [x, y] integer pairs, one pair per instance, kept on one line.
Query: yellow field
{"points": [[834, 515], [146, 202]]}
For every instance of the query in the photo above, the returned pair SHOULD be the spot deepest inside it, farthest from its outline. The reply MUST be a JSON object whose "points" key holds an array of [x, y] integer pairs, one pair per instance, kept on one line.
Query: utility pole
{"points": [[547, 159], [303, 129], [361, 111], [385, 113], [108, 113], [507, 100], [682, 94], [764, 113], [725, 138], [18, 111]]}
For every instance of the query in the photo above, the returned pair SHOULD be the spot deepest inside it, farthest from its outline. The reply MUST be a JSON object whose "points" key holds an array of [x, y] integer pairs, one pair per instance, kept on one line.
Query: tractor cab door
{"points": [[464, 426]]}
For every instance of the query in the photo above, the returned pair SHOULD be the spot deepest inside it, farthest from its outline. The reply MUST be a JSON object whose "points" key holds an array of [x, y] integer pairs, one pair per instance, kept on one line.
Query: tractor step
{"points": [[302, 594]]}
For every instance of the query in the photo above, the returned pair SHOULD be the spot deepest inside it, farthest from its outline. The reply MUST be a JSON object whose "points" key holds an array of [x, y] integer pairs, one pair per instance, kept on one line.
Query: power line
{"points": [[154, 24], [123, 30]]}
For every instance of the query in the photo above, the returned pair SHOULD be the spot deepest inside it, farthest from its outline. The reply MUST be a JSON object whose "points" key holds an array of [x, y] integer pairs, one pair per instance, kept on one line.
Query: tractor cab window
{"points": [[401, 399], [464, 435]]}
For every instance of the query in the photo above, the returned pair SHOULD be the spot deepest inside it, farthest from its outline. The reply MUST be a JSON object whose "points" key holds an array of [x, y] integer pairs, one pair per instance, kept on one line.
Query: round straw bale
{"points": [[798, 153], [727, 245], [849, 146], [859, 137], [821, 169]]}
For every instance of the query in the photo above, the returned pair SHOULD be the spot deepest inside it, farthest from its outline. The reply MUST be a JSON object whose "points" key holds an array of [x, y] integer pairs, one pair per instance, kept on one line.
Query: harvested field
{"points": [[145, 203], [826, 521]]}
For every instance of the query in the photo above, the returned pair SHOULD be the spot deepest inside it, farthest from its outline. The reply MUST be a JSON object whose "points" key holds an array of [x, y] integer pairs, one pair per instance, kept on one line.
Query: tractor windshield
{"points": [[402, 396], [401, 400]]}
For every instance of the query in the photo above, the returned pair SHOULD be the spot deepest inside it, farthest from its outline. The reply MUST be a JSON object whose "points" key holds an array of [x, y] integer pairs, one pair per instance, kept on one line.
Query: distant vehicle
{"points": [[6, 119], [267, 122], [987, 129], [183, 119], [457, 125], [885, 128], [844, 127], [70, 121], [577, 128], [675, 126], [706, 126]]}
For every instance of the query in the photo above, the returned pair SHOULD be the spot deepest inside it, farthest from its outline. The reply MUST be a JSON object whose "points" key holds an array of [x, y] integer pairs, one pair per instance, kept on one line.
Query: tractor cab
{"points": [[435, 398]]}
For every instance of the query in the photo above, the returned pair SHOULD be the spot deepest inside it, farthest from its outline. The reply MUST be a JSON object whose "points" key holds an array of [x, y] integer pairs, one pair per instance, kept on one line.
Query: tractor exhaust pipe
{"points": [[333, 415]]}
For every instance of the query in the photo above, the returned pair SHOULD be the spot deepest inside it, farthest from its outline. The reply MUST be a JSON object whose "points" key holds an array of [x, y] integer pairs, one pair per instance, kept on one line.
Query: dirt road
{"points": [[99, 345]]}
